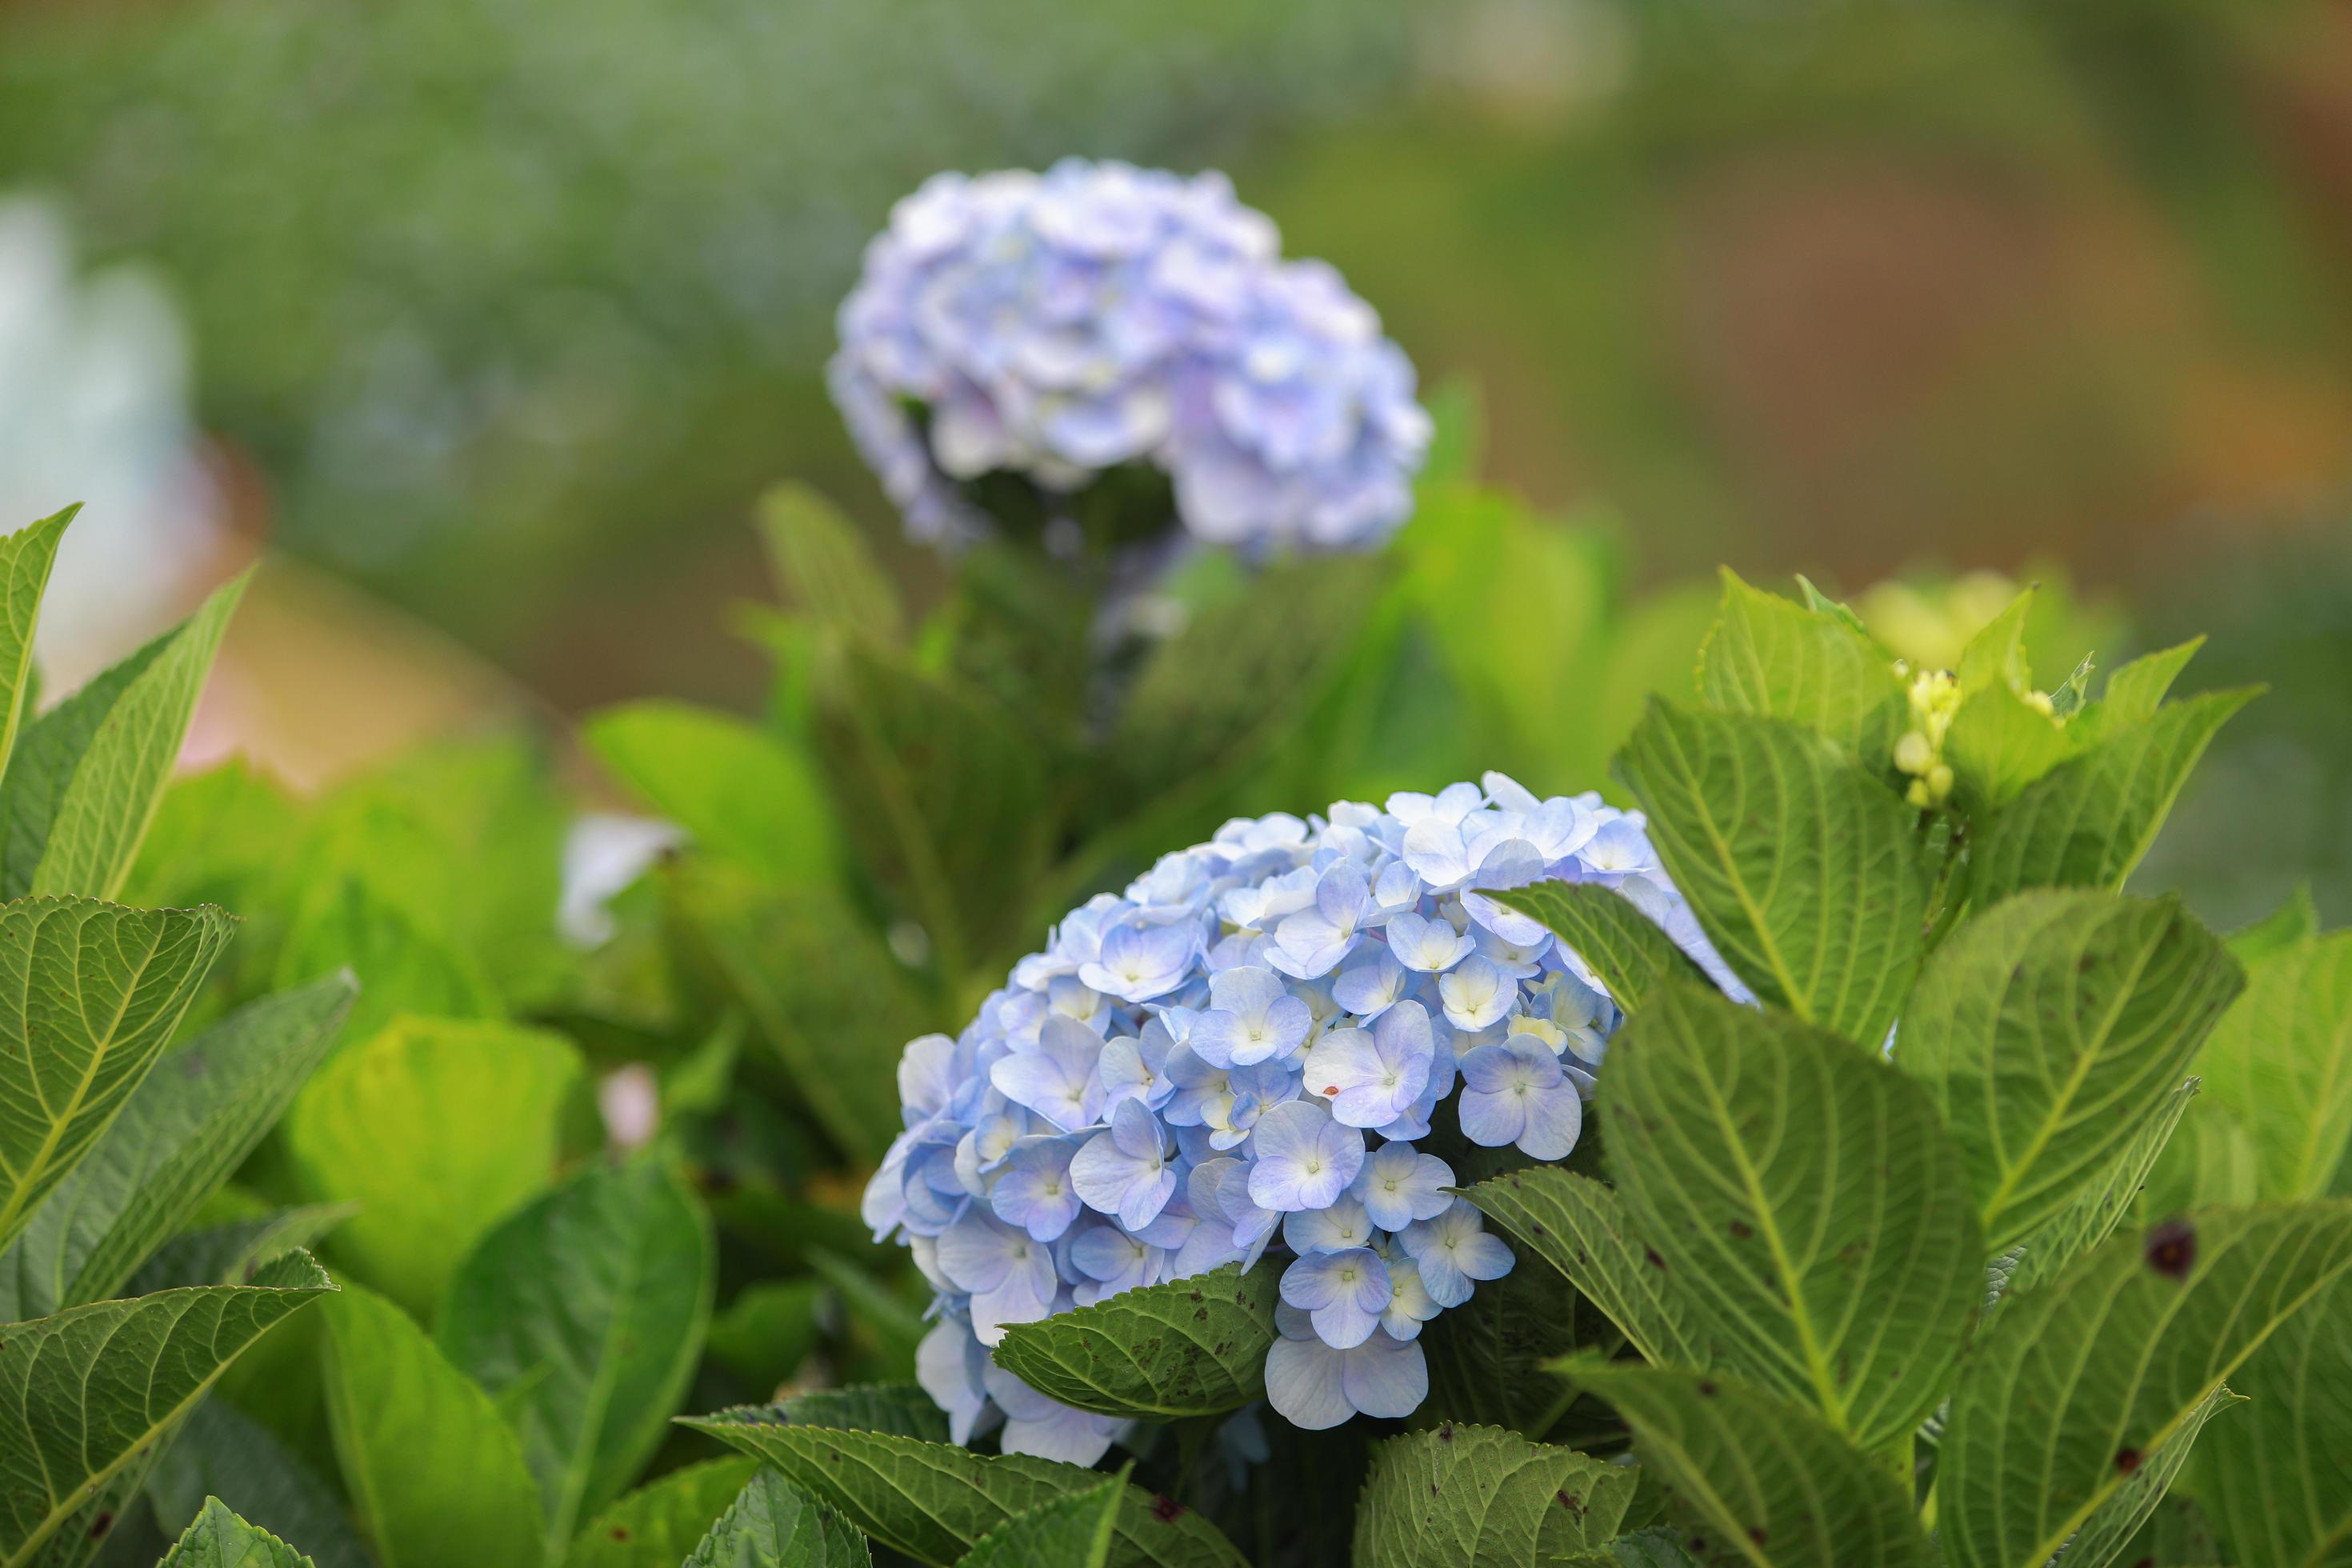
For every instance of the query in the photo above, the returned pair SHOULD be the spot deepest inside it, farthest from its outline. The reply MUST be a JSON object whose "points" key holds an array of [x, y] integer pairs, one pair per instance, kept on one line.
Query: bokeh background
{"points": [[484, 320]]}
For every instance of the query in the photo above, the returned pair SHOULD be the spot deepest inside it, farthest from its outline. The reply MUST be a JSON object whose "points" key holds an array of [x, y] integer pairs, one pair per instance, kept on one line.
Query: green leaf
{"points": [[901, 1409], [742, 794], [218, 1539], [2049, 1028], [437, 1478], [2094, 1372], [823, 564], [1772, 1485], [2100, 1203], [1188, 1347], [1655, 1548], [2279, 1064], [944, 798], [181, 1133], [437, 1129], [2066, 698], [2118, 1521], [1805, 1198], [583, 1315], [2087, 822], [819, 987], [767, 1330], [1215, 701], [88, 774], [1995, 655], [87, 1394], [26, 557], [1479, 1496], [933, 1501], [1578, 1225], [1802, 868], [2279, 1473], [228, 1253], [2134, 691], [660, 1522], [90, 993], [1998, 744], [340, 923], [1073, 1532], [1625, 947], [2296, 917], [221, 1452], [1775, 659]]}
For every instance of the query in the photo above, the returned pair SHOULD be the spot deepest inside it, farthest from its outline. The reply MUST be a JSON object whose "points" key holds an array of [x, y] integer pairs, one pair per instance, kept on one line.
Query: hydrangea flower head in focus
{"points": [[1059, 326], [1244, 1059]]}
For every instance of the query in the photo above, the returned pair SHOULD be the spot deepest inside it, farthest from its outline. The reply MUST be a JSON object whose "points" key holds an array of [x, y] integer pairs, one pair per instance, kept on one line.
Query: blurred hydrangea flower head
{"points": [[94, 407], [1056, 325], [1246, 1060]]}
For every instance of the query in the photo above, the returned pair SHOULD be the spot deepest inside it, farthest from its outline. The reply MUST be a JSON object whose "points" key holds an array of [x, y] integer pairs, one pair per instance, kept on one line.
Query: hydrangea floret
{"points": [[1061, 325], [1240, 1061]]}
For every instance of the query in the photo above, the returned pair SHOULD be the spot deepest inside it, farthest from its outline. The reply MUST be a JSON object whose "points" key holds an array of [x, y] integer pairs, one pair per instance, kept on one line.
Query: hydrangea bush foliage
{"points": [[1887, 1075]]}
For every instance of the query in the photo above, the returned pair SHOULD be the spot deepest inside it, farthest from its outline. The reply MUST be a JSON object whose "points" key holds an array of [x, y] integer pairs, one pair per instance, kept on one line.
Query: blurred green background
{"points": [[504, 311]]}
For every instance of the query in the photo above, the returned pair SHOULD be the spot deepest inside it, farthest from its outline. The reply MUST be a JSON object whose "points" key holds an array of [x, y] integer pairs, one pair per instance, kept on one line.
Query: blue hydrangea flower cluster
{"points": [[1098, 314], [1241, 1056]]}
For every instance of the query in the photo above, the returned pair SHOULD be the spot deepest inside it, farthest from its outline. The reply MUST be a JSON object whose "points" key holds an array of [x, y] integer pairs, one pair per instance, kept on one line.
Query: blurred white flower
{"points": [[94, 373], [604, 852]]}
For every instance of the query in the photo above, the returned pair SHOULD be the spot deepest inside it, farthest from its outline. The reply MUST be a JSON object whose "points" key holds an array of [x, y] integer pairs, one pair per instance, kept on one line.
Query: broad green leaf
{"points": [[2100, 1203], [2280, 1064], [1995, 655], [1802, 869], [2049, 1028], [1479, 1496], [1805, 1198], [223, 1453], [2087, 822], [188, 1125], [402, 967], [90, 994], [1187, 1347], [85, 1395], [2279, 1473], [742, 794], [85, 780], [465, 840], [1579, 1227], [1775, 659], [1625, 947], [2209, 1160], [901, 1409], [932, 1501], [1998, 744], [437, 1129], [1653, 1548], [823, 564], [437, 1478], [2296, 917], [1073, 1532], [767, 1330], [2091, 1373], [1213, 703], [2135, 691], [218, 1539], [583, 1315], [660, 1522], [1772, 1485], [2118, 1519], [818, 986], [228, 1253], [944, 798], [26, 557]]}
